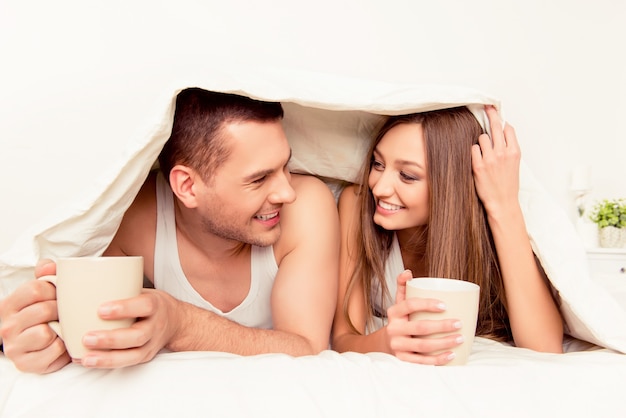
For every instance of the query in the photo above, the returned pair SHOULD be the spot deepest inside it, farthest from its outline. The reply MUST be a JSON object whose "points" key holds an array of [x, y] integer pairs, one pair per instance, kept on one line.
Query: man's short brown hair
{"points": [[196, 139]]}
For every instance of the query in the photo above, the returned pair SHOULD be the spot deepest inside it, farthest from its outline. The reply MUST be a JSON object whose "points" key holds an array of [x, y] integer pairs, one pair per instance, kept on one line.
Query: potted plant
{"points": [[610, 216]]}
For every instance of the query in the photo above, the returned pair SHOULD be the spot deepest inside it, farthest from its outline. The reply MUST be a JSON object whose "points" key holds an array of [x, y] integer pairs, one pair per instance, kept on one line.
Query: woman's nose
{"points": [[381, 184]]}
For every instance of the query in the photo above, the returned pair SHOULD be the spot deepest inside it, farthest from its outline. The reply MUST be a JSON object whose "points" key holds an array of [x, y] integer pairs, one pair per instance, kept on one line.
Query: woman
{"points": [[439, 198]]}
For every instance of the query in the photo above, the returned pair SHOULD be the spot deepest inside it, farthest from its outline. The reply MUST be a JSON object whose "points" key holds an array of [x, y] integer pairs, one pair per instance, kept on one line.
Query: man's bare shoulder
{"points": [[138, 226], [145, 201], [313, 212], [305, 184], [311, 193]]}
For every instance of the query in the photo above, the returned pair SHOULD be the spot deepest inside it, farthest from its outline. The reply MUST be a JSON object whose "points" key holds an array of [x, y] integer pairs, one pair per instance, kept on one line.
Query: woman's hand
{"points": [[495, 164], [412, 340], [534, 317]]}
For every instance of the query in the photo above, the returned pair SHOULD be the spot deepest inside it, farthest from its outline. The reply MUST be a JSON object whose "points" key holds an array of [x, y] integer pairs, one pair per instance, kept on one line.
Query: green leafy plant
{"points": [[609, 212]]}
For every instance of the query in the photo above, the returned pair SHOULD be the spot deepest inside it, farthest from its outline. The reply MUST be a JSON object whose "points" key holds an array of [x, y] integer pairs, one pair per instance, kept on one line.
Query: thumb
{"points": [[45, 267], [403, 277]]}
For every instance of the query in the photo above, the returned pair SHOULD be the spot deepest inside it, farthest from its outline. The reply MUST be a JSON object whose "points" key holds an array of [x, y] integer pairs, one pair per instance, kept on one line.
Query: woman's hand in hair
{"points": [[495, 164], [412, 341]]}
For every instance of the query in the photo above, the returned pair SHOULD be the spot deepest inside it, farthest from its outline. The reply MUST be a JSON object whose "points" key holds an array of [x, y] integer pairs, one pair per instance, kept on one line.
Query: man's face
{"points": [[248, 190]]}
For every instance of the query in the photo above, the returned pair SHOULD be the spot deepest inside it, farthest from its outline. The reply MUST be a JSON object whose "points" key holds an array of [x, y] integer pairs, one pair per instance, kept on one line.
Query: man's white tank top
{"points": [[254, 311]]}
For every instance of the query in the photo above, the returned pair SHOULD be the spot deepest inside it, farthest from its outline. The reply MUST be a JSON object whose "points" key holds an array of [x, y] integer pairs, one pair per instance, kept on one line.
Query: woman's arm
{"points": [[344, 338], [400, 337], [534, 316]]}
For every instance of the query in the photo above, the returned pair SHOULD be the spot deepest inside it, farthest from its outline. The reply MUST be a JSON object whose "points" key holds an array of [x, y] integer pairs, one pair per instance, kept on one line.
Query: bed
{"points": [[328, 121]]}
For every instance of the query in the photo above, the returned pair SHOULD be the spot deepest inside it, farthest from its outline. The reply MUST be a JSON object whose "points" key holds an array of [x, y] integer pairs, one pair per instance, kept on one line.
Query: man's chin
{"points": [[266, 239]]}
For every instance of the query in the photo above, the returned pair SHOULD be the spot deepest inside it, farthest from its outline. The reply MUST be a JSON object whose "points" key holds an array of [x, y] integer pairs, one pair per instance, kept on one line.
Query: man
{"points": [[238, 263]]}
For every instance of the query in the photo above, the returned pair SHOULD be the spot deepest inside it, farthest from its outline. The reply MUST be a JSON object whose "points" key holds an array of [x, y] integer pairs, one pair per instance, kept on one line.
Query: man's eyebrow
{"points": [[263, 173]]}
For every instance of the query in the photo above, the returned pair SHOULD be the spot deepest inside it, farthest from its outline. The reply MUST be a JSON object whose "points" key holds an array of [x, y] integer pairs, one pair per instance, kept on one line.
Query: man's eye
{"points": [[259, 180]]}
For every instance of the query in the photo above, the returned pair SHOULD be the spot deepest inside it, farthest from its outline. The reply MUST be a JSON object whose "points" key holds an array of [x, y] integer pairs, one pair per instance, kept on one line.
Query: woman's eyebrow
{"points": [[408, 162], [376, 153]]}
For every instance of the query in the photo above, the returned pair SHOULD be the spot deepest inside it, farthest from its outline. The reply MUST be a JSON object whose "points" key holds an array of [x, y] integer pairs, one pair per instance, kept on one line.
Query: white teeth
{"points": [[267, 217], [388, 206]]}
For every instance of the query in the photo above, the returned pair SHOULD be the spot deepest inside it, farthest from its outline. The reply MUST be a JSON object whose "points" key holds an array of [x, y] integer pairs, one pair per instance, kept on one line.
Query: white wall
{"points": [[67, 67]]}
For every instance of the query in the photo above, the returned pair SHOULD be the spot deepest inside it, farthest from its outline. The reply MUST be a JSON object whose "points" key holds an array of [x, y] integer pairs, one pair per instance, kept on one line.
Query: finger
{"points": [[39, 313], [141, 306], [431, 346], [511, 137], [423, 327], [477, 158], [411, 305], [415, 305], [47, 360], [495, 122], [123, 338], [426, 346], [121, 348], [114, 359], [30, 293], [45, 267], [35, 338], [34, 319], [486, 146], [59, 363], [402, 278]]}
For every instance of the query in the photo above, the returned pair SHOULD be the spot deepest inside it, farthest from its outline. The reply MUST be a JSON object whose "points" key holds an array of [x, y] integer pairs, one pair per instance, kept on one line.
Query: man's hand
{"points": [[156, 323], [28, 341], [32, 345]]}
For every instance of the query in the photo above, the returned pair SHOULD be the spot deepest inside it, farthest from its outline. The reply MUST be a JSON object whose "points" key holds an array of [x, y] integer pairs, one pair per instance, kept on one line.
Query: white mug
{"points": [[461, 300], [82, 285]]}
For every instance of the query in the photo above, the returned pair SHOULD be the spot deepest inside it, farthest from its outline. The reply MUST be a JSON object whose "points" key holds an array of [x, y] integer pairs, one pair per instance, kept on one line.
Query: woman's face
{"points": [[398, 178]]}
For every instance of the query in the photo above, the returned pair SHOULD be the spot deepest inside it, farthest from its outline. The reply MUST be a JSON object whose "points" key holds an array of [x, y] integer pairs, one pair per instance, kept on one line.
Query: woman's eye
{"points": [[407, 177], [377, 165]]}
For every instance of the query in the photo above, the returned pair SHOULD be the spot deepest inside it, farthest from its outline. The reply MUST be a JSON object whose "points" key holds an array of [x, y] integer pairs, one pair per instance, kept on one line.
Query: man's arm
{"points": [[303, 298], [304, 292]]}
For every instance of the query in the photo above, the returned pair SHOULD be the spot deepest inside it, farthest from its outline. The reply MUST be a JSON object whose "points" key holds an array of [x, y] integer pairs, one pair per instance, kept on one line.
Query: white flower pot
{"points": [[611, 237]]}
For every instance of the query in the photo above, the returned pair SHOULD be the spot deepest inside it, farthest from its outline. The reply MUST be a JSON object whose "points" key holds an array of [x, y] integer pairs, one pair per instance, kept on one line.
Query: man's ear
{"points": [[183, 183]]}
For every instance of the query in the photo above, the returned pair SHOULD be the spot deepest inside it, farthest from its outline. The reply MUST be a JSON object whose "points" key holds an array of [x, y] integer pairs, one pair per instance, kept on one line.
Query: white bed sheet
{"points": [[498, 381]]}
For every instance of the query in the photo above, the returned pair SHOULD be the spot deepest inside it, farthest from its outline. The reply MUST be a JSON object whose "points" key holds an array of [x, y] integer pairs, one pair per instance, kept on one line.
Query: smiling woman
{"points": [[400, 185], [441, 201]]}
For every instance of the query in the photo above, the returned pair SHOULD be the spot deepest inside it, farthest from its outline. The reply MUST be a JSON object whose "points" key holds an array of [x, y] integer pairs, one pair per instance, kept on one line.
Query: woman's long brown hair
{"points": [[457, 241]]}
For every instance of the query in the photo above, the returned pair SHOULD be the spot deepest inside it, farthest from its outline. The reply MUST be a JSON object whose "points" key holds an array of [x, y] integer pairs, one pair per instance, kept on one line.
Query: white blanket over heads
{"points": [[329, 122]]}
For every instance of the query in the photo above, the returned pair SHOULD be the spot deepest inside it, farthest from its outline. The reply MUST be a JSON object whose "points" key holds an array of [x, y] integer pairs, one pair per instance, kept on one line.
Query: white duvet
{"points": [[498, 381], [328, 121]]}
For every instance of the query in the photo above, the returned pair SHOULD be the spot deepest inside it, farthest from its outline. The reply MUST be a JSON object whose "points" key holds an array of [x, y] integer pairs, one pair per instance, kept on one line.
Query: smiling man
{"points": [[243, 254]]}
